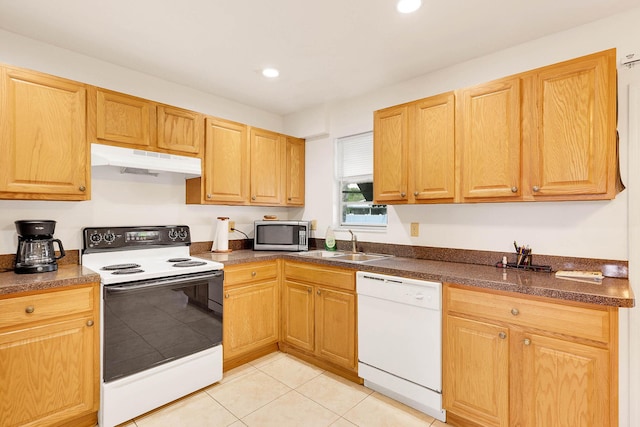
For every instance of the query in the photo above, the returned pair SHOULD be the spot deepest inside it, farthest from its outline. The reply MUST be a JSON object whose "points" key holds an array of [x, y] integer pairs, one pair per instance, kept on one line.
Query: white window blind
{"points": [[356, 154]]}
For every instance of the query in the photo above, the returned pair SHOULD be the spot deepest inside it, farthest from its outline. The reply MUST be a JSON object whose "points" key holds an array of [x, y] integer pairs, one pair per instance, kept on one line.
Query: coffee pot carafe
{"points": [[36, 253]]}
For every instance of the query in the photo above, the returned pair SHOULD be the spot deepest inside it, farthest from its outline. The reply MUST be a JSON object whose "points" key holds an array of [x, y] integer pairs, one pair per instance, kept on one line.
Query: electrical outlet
{"points": [[415, 229], [232, 225], [314, 224]]}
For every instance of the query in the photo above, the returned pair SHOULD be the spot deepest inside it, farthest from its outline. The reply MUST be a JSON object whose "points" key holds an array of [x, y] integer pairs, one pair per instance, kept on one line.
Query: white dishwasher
{"points": [[400, 339]]}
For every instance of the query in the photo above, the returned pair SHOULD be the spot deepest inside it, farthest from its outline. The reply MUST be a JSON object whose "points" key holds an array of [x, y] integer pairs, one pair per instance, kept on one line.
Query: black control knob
{"points": [[109, 237], [95, 238], [182, 234], [173, 234]]}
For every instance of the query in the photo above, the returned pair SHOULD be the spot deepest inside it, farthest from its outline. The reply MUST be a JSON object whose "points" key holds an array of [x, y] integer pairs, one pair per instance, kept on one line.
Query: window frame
{"points": [[340, 179]]}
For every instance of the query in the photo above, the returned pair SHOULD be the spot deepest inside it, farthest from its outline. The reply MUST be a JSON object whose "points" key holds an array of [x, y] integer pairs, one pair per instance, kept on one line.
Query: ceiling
{"points": [[325, 50]]}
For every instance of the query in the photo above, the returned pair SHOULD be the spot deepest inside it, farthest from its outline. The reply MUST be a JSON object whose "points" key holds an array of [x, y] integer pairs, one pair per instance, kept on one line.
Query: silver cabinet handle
{"points": [[89, 323], [226, 295], [82, 188], [536, 188], [515, 311], [416, 193], [403, 194], [527, 341], [209, 196], [514, 189], [253, 197], [30, 309], [502, 335], [253, 274]]}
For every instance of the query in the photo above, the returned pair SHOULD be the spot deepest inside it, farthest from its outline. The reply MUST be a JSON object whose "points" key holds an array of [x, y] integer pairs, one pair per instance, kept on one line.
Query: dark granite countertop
{"points": [[66, 275], [615, 292]]}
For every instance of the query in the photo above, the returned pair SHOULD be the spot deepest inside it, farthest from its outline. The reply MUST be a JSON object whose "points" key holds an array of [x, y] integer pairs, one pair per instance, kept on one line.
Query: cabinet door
{"points": [[298, 312], [125, 119], [336, 327], [488, 140], [476, 371], [267, 157], [179, 130], [47, 373], [574, 152], [226, 171], [564, 383], [294, 171], [390, 154], [433, 142], [43, 138], [251, 317]]}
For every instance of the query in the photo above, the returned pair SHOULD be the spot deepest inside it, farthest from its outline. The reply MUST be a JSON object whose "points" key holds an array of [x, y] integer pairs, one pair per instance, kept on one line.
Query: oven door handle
{"points": [[161, 283]]}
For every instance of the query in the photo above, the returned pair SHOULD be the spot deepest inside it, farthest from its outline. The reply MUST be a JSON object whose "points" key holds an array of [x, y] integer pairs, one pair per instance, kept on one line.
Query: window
{"points": [[355, 183]]}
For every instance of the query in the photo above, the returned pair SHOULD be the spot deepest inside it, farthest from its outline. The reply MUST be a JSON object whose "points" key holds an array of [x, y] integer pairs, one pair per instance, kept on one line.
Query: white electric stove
{"points": [[161, 328]]}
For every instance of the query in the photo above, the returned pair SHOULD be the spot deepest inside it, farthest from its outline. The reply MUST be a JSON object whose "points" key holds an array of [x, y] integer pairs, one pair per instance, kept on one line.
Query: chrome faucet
{"points": [[354, 241]]}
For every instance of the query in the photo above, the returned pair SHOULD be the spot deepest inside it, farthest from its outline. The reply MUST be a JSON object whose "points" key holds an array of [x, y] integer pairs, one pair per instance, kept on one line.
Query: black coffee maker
{"points": [[35, 247]]}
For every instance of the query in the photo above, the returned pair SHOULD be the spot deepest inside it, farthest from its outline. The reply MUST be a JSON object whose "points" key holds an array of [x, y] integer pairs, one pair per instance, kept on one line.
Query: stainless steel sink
{"points": [[320, 254], [360, 257], [344, 256]]}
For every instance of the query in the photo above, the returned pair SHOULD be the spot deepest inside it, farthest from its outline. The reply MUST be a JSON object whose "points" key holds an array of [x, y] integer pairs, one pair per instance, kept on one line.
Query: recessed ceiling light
{"points": [[408, 6], [270, 73]]}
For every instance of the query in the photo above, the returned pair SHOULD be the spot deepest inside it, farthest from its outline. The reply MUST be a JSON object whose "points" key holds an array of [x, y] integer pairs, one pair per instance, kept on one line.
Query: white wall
{"points": [[582, 229], [126, 199]]}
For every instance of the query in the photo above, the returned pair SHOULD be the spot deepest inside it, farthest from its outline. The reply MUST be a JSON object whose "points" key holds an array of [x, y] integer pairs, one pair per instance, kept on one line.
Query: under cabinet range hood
{"points": [[142, 162]]}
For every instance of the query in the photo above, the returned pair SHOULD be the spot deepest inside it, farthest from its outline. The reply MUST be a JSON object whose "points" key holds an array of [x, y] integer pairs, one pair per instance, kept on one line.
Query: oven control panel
{"points": [[119, 238]]}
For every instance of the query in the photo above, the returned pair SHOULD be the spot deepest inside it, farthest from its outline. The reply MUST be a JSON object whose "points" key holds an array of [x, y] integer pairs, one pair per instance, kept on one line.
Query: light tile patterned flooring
{"points": [[279, 390]]}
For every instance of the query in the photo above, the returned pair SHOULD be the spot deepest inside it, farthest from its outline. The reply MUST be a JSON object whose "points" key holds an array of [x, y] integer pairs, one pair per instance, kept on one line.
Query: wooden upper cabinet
{"points": [[488, 140], [179, 130], [413, 148], [128, 121], [43, 137], [248, 166], [546, 134], [390, 154], [572, 111], [226, 160], [294, 171], [124, 119], [267, 161], [432, 160]]}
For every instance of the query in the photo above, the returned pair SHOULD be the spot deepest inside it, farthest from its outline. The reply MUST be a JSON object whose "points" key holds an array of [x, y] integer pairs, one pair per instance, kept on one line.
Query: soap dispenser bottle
{"points": [[330, 240]]}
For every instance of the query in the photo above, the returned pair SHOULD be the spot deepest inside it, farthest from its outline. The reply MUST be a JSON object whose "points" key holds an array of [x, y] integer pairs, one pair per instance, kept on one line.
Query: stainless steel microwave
{"points": [[280, 235]]}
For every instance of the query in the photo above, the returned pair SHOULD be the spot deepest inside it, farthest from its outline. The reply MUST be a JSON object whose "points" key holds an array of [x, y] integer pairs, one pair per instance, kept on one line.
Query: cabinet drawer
{"points": [[250, 272], [589, 323], [32, 308], [324, 276]]}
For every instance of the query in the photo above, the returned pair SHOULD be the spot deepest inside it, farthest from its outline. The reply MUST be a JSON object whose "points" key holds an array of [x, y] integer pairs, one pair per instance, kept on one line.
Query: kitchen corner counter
{"points": [[615, 292], [66, 275]]}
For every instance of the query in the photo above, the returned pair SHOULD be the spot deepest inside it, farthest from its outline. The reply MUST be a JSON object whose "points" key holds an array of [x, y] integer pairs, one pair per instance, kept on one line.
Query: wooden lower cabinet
{"points": [[49, 358], [319, 316], [251, 312], [509, 362]]}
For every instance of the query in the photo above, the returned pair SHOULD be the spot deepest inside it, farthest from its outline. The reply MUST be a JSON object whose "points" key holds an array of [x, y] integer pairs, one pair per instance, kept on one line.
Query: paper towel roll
{"points": [[221, 239]]}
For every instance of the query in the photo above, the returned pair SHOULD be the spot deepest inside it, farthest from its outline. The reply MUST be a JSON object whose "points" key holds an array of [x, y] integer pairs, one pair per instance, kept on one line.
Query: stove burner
{"points": [[120, 266], [178, 259], [189, 264], [128, 271]]}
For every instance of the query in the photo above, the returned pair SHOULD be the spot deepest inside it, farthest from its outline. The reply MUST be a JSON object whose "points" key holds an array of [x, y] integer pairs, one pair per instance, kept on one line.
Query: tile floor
{"points": [[280, 390]]}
